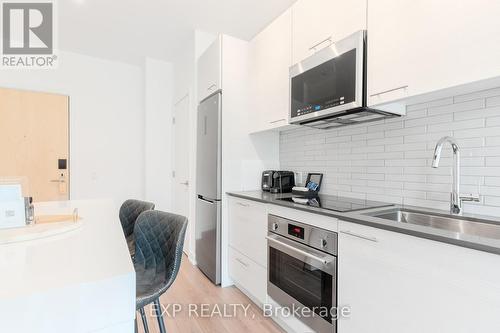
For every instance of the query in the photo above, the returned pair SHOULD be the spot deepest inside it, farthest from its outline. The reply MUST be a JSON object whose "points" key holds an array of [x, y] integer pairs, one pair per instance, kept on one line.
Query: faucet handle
{"points": [[470, 198]]}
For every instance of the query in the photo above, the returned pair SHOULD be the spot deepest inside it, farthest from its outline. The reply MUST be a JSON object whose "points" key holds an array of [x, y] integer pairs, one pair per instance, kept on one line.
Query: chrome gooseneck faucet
{"points": [[456, 198]]}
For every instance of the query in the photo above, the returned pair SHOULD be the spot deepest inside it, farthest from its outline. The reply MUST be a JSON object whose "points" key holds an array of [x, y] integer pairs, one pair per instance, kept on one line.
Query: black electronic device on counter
{"points": [[312, 186], [278, 181]]}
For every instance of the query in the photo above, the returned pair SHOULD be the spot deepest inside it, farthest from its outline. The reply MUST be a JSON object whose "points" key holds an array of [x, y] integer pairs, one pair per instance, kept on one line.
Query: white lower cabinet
{"points": [[248, 229], [248, 275], [248, 247], [398, 283]]}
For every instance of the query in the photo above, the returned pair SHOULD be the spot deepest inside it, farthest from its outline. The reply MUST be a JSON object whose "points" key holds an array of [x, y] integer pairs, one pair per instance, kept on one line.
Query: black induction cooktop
{"points": [[336, 203]]}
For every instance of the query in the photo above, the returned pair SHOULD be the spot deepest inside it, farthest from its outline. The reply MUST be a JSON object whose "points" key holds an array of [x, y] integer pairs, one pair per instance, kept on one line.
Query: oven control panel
{"points": [[320, 239], [296, 231]]}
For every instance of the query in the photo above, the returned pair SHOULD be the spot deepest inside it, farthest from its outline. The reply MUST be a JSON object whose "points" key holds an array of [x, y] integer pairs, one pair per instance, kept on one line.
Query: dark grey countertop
{"points": [[490, 245]]}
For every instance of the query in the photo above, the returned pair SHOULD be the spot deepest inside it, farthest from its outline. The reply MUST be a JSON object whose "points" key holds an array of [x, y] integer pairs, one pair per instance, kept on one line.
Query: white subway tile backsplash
{"points": [[493, 121], [381, 127], [451, 108], [492, 181], [435, 103], [493, 141], [405, 131], [390, 160], [477, 95], [385, 170], [482, 151], [493, 161], [444, 118], [493, 101], [456, 125], [492, 201], [431, 138], [410, 114], [482, 113], [477, 132]]}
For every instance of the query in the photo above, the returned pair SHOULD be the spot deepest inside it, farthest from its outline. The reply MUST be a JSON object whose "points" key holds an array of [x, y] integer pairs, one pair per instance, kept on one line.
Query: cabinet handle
{"points": [[350, 233], [388, 91], [212, 86], [329, 39], [243, 204], [276, 121], [242, 262]]}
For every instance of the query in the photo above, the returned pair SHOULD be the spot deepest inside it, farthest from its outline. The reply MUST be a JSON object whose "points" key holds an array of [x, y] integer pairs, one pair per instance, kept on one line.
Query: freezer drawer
{"points": [[208, 213]]}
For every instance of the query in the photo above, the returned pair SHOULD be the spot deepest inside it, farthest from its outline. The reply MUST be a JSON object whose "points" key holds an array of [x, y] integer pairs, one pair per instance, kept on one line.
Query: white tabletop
{"points": [[89, 267]]}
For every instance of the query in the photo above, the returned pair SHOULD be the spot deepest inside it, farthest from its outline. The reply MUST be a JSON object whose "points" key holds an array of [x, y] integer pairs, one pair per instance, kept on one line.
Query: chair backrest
{"points": [[130, 211], [159, 239]]}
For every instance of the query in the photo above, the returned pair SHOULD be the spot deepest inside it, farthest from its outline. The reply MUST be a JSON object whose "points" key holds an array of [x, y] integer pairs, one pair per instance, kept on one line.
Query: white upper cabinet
{"points": [[318, 23], [270, 59], [417, 47], [210, 70]]}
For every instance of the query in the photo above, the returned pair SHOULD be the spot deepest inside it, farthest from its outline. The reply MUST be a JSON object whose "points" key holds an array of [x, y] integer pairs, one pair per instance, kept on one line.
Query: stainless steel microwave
{"points": [[328, 89]]}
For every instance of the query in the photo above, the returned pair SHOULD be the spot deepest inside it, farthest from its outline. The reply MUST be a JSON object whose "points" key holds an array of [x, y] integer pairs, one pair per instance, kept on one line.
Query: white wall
{"points": [[391, 160], [158, 133], [106, 122]]}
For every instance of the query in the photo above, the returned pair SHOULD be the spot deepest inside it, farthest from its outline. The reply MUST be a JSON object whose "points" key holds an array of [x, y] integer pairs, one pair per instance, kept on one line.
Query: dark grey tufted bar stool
{"points": [[159, 238], [129, 212]]}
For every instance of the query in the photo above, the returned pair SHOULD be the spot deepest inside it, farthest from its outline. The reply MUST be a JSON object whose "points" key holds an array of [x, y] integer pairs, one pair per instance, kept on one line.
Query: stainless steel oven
{"points": [[302, 271]]}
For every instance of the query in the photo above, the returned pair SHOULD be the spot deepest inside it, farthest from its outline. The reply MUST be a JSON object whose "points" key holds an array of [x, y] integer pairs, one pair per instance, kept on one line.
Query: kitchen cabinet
{"points": [[248, 228], [270, 59], [249, 276], [399, 283], [319, 23], [418, 47], [248, 247], [210, 70]]}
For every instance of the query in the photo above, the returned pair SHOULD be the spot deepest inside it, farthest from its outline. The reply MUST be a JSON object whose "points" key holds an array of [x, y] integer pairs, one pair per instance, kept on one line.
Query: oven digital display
{"points": [[296, 231]]}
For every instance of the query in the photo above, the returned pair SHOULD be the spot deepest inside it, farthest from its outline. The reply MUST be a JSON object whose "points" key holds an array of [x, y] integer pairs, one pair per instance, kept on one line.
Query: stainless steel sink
{"points": [[458, 224]]}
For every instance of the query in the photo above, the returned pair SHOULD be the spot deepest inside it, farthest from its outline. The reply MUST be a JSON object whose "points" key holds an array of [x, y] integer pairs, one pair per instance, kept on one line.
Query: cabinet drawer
{"points": [[248, 274], [248, 229]]}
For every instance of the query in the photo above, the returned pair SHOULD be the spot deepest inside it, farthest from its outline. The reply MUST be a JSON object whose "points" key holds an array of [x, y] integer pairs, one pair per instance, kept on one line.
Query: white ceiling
{"points": [[129, 30]]}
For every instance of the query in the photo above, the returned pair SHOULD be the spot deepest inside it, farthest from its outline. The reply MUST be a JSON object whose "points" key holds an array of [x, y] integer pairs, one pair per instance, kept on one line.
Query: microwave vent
{"points": [[360, 116]]}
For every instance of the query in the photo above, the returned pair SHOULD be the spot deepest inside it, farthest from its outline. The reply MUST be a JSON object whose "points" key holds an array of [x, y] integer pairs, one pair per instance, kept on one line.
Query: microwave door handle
{"points": [[324, 261]]}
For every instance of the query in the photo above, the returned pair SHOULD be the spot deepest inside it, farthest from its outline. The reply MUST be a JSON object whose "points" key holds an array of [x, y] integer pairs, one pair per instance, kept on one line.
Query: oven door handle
{"points": [[324, 261]]}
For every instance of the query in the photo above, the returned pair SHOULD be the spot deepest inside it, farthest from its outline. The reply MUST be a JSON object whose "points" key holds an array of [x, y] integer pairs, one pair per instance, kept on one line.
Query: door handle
{"points": [[329, 39], [242, 262], [206, 200], [389, 90], [324, 261], [57, 181], [185, 183]]}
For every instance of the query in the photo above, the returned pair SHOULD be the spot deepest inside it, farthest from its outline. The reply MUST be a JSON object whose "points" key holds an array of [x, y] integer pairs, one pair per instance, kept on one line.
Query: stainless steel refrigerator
{"points": [[209, 187]]}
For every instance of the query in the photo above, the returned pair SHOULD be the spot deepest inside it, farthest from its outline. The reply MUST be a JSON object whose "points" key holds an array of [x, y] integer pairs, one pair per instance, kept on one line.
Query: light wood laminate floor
{"points": [[192, 287]]}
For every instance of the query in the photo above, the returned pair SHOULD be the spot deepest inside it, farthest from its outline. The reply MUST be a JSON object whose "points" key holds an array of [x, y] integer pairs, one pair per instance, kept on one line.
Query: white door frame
{"points": [[189, 250]]}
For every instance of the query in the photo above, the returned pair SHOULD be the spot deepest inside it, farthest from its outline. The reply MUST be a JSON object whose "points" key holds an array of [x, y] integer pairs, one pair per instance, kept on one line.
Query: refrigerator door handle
{"points": [[206, 200]]}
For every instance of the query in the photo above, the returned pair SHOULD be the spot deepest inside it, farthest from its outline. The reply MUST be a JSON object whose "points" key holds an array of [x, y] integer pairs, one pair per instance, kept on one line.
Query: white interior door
{"points": [[181, 181]]}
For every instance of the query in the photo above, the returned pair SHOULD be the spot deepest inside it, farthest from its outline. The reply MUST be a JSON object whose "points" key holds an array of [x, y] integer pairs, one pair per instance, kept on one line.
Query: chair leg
{"points": [[161, 324], [144, 321]]}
